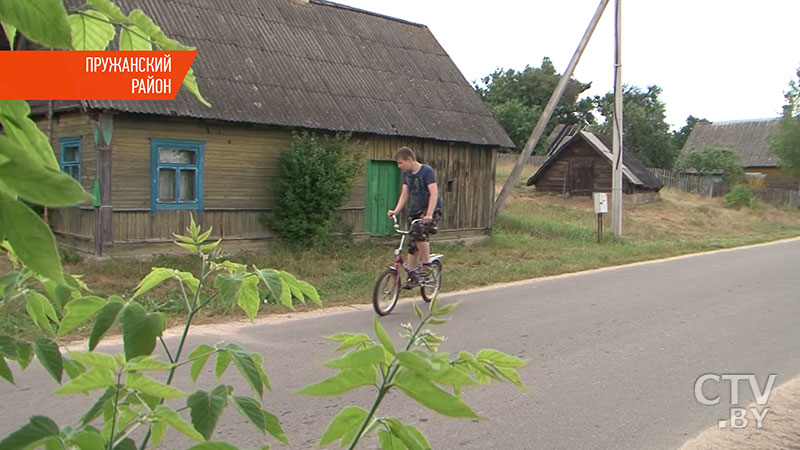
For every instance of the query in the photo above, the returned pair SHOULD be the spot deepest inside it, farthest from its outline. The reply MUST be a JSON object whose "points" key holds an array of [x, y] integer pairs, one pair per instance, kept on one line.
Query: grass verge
{"points": [[536, 235]]}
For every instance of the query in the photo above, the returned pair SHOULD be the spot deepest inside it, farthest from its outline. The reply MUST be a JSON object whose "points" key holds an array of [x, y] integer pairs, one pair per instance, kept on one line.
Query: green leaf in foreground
{"points": [[174, 419], [359, 358], [96, 378], [38, 429], [105, 319], [349, 417], [344, 381], [206, 408], [79, 311], [140, 330], [43, 21], [49, 357], [383, 336], [429, 395], [31, 238], [149, 386]]}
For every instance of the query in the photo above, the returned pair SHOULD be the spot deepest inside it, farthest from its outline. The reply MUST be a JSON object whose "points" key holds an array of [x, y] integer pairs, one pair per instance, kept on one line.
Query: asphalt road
{"points": [[613, 356]]}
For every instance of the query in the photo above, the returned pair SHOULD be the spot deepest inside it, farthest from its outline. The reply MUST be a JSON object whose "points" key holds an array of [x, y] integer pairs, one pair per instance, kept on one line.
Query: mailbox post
{"points": [[600, 207]]}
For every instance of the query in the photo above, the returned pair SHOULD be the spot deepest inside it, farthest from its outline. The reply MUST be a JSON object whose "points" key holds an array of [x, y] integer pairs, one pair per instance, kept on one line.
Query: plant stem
{"points": [[171, 374], [114, 418], [387, 383], [127, 433], [383, 390], [166, 349], [191, 360], [201, 305], [180, 347]]}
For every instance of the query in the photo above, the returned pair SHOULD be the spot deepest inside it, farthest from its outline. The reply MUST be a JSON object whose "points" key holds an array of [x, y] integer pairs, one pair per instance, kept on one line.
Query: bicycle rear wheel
{"points": [[386, 292], [429, 285]]}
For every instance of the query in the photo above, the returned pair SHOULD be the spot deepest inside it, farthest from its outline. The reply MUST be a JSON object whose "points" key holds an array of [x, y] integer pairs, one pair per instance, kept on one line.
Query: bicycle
{"points": [[387, 287]]}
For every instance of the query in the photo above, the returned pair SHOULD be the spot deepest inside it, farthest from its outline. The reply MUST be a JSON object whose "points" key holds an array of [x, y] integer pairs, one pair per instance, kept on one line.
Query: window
{"points": [[176, 174], [70, 156]]}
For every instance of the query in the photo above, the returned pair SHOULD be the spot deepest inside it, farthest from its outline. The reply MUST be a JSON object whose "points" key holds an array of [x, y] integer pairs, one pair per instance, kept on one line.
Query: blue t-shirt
{"points": [[418, 189]]}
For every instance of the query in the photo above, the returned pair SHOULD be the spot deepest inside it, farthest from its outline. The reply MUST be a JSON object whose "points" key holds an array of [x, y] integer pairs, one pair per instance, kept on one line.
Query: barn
{"points": [[582, 164], [748, 138], [271, 67]]}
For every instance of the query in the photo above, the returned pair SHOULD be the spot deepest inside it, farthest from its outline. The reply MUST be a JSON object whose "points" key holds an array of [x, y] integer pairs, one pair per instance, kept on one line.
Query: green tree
{"points": [[646, 132], [679, 137], [516, 100], [711, 160], [785, 143]]}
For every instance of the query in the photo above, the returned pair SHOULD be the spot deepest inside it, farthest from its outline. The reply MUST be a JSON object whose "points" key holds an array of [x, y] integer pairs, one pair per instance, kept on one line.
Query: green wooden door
{"points": [[383, 190]]}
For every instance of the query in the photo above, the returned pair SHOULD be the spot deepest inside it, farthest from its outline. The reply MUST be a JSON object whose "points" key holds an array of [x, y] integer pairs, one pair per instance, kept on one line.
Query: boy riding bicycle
{"points": [[419, 185]]}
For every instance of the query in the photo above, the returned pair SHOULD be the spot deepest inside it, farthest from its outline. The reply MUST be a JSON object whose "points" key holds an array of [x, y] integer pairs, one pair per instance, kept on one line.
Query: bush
{"points": [[740, 196], [316, 176], [713, 159], [69, 255]]}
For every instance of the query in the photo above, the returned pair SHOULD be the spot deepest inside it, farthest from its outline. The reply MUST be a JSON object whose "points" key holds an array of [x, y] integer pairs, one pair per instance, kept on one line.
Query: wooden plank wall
{"points": [[240, 163], [75, 221], [76, 224], [556, 177], [467, 170]]}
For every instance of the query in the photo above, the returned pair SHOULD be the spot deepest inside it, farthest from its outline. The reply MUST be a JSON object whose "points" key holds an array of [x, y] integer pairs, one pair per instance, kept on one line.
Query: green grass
{"points": [[535, 235]]}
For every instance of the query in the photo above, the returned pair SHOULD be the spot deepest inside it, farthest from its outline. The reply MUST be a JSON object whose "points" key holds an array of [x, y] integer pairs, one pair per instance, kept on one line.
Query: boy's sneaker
{"points": [[425, 271], [412, 282]]}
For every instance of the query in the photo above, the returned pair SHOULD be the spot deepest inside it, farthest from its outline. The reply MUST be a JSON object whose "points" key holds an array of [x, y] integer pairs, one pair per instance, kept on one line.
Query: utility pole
{"points": [[616, 151], [547, 112]]}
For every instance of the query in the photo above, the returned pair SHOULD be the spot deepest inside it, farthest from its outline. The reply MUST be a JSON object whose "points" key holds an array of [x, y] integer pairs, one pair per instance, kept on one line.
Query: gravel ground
{"points": [[781, 426]]}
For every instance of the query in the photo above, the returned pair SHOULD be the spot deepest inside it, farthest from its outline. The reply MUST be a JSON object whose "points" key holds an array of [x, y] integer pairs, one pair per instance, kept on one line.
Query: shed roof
{"points": [[318, 65], [748, 138], [632, 169]]}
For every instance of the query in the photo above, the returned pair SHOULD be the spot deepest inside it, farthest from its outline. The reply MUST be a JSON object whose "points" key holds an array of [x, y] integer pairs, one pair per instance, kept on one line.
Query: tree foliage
{"points": [[785, 143], [646, 132], [711, 160], [516, 100], [680, 137], [316, 175]]}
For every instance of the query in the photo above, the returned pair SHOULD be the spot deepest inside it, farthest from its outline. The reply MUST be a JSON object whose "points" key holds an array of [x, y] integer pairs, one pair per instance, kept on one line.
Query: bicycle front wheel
{"points": [[429, 285], [387, 290]]}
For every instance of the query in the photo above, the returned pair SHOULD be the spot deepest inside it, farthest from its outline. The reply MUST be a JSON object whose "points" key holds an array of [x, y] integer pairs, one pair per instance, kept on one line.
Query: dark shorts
{"points": [[421, 231]]}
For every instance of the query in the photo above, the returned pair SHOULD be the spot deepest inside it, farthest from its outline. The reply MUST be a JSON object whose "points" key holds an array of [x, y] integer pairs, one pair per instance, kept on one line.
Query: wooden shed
{"points": [[270, 67], [581, 165], [748, 138]]}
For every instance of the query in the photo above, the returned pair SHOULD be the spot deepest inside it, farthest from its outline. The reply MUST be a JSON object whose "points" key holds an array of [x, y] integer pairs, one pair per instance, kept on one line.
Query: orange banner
{"points": [[106, 75]]}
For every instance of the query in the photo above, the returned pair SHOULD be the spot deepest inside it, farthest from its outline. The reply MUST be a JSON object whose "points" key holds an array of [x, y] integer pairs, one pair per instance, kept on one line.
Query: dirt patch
{"points": [[781, 426]]}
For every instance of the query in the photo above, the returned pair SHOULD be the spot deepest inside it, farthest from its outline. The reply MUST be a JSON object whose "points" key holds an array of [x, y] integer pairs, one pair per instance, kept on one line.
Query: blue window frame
{"points": [[69, 156], [176, 174]]}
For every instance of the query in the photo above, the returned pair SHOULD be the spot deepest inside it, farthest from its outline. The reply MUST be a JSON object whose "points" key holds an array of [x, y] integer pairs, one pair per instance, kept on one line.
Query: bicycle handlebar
{"points": [[397, 225]]}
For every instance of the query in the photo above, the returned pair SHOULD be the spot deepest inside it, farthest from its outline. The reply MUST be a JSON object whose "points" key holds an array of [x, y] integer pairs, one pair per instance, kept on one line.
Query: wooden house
{"points": [[270, 67], [748, 138], [581, 164]]}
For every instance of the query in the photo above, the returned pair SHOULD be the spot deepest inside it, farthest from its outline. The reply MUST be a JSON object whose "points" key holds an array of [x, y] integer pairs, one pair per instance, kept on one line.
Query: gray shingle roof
{"points": [[747, 138], [317, 65]]}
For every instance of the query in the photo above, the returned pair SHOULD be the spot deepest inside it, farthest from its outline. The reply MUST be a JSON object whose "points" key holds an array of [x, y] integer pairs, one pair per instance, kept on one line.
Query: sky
{"points": [[721, 60]]}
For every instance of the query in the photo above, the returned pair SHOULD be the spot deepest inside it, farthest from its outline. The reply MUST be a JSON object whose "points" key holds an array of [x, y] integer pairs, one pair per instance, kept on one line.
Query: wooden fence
{"points": [[712, 187], [511, 158]]}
